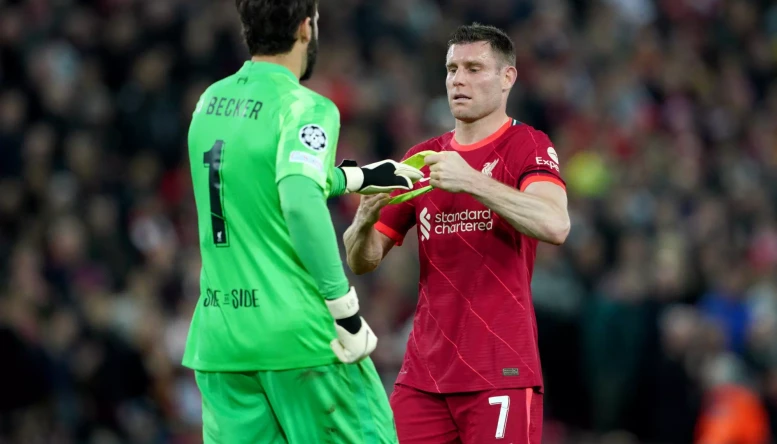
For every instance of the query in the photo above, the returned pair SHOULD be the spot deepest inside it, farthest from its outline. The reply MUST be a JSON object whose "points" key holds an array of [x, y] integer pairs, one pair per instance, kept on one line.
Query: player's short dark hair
{"points": [[270, 26], [500, 42]]}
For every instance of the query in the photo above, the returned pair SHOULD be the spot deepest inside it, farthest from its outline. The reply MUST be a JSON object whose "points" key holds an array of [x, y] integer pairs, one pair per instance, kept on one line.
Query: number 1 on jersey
{"points": [[213, 159]]}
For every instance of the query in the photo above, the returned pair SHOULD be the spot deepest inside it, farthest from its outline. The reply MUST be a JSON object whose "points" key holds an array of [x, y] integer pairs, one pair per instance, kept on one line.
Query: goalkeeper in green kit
{"points": [[279, 349]]}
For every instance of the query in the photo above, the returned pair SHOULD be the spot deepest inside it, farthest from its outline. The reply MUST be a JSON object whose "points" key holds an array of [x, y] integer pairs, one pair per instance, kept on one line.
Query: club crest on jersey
{"points": [[313, 137], [489, 167]]}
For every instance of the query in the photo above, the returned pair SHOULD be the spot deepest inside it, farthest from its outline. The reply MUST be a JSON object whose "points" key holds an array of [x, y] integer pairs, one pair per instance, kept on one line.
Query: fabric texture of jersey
{"points": [[474, 326], [259, 309]]}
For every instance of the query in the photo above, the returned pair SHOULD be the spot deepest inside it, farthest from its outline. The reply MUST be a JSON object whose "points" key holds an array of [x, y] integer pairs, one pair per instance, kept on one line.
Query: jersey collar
{"points": [[473, 146], [267, 67]]}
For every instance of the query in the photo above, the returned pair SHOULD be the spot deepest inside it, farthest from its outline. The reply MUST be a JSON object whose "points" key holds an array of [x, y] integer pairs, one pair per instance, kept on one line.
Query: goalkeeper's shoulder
{"points": [[303, 99]]}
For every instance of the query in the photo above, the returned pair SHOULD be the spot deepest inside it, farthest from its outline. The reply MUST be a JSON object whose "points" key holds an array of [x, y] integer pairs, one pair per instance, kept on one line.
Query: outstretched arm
{"points": [[383, 176]]}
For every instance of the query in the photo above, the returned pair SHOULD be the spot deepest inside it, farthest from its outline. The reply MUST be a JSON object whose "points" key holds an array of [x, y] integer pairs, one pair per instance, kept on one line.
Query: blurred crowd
{"points": [[657, 319]]}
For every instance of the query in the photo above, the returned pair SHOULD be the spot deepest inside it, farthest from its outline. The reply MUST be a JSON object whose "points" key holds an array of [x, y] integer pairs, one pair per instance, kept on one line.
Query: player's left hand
{"points": [[450, 172]]}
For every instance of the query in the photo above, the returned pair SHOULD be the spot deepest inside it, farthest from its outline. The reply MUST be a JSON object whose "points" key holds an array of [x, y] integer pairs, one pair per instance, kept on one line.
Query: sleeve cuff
{"points": [[338, 183], [541, 178], [389, 232]]}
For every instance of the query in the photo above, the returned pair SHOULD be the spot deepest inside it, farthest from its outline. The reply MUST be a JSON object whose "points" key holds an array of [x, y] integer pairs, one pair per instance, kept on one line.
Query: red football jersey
{"points": [[474, 326]]}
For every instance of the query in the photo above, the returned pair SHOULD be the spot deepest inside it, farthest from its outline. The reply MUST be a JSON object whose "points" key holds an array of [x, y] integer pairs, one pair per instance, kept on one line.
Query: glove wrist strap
{"points": [[344, 306], [354, 178]]}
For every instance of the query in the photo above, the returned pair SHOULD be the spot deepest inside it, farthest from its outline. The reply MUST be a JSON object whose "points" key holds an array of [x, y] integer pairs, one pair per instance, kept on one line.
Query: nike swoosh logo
{"points": [[424, 179]]}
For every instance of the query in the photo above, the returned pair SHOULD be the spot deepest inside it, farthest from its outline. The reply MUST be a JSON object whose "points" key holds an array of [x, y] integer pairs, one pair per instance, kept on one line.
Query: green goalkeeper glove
{"points": [[355, 339]]}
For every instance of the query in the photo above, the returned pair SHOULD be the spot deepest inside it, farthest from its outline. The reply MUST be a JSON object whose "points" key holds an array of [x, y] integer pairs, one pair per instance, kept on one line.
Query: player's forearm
{"points": [[532, 215], [363, 247], [312, 234]]}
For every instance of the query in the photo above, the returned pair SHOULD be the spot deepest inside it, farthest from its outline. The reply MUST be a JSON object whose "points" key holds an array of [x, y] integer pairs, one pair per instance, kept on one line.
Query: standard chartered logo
{"points": [[425, 225], [459, 222]]}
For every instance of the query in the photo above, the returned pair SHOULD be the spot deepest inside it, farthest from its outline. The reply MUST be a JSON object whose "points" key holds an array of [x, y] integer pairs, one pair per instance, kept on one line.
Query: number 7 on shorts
{"points": [[504, 409]]}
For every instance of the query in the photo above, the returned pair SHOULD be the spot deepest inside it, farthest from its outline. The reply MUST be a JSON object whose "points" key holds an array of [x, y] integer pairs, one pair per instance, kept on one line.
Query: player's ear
{"points": [[509, 76], [305, 31]]}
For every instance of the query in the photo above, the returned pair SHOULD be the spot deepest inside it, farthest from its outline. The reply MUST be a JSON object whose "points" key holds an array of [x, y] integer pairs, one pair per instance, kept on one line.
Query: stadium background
{"points": [[663, 114]]}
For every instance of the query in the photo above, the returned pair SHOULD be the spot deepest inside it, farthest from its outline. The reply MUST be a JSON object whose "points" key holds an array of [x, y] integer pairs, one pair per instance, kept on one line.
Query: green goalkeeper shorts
{"points": [[339, 404]]}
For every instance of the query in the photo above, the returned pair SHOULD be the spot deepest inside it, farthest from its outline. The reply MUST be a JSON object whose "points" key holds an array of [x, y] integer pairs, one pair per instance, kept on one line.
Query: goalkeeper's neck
{"points": [[293, 60]]}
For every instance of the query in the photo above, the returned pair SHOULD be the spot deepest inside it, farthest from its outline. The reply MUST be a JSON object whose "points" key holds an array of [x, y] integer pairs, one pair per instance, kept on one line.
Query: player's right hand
{"points": [[355, 339]]}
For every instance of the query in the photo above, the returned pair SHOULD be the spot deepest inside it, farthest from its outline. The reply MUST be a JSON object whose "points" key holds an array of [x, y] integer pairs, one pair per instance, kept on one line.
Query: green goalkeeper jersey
{"points": [[259, 309]]}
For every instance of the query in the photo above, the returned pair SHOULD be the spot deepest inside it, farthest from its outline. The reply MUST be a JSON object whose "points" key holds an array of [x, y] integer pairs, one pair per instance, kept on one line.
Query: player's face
{"points": [[312, 52], [475, 80]]}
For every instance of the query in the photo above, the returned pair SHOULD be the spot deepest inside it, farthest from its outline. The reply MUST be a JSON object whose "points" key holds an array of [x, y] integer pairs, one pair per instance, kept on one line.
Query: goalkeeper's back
{"points": [[258, 309]]}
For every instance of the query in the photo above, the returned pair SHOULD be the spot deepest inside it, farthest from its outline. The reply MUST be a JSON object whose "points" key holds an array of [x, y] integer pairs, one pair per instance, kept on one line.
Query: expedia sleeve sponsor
{"points": [[547, 163]]}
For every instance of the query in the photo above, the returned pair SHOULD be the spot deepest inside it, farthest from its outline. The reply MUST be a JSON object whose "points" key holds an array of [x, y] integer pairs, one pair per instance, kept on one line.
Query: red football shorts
{"points": [[505, 416]]}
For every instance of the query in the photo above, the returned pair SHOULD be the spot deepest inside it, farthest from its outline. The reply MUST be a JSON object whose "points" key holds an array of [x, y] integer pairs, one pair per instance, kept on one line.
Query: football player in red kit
{"points": [[471, 372]]}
